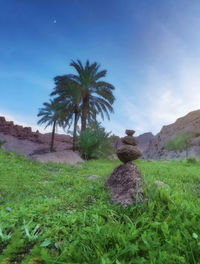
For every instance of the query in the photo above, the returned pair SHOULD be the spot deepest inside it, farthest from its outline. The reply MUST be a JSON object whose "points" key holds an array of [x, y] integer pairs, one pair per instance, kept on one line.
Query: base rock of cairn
{"points": [[125, 182]]}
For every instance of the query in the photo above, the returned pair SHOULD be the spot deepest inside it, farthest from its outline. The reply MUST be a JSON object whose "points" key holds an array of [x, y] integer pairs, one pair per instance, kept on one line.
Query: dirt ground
{"points": [[40, 151], [65, 156]]}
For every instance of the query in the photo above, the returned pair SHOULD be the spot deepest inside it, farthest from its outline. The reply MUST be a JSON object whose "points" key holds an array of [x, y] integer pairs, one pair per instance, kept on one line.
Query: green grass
{"points": [[52, 214]]}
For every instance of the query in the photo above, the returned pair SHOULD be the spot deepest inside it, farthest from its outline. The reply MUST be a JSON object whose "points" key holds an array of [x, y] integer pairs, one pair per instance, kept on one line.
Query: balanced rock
{"points": [[128, 153]]}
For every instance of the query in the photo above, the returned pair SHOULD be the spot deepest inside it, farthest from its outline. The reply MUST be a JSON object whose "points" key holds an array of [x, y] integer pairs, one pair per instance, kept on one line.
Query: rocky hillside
{"points": [[24, 141], [144, 141], [9, 128], [35, 145], [188, 123], [15, 135]]}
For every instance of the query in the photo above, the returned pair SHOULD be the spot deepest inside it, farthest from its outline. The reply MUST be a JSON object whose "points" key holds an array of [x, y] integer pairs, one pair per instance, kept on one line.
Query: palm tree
{"points": [[69, 96], [95, 93], [51, 115], [93, 96]]}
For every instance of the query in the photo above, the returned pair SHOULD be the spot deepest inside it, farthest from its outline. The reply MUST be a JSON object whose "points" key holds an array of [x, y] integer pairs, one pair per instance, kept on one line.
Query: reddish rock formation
{"points": [[8, 128], [35, 145]]}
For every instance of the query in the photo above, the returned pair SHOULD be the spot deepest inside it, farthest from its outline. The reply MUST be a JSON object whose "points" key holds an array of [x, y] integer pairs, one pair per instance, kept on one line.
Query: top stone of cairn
{"points": [[129, 132]]}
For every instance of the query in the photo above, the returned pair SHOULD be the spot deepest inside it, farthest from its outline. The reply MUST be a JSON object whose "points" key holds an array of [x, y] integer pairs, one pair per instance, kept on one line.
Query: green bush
{"points": [[2, 142], [192, 160], [94, 142], [181, 141]]}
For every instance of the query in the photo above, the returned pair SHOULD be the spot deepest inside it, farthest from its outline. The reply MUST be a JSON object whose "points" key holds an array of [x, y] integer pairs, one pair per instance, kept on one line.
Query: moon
{"points": [[54, 21]]}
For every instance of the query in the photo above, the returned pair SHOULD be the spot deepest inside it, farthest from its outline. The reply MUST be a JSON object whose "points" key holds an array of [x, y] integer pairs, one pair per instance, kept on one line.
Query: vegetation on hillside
{"points": [[181, 141], [52, 213], [2, 142]]}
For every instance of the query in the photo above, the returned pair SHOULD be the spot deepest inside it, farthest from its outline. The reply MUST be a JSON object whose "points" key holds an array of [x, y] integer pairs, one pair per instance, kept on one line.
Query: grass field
{"points": [[53, 214]]}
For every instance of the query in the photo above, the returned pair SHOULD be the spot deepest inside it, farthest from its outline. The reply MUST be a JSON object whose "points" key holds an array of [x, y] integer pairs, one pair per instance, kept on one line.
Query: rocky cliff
{"points": [[25, 133], [144, 141], [187, 123]]}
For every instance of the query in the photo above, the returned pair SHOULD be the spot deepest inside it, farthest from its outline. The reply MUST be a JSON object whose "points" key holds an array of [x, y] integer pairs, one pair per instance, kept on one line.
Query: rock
{"points": [[8, 209], [129, 140], [77, 166], [129, 132], [160, 183], [2, 120], [9, 128], [93, 177], [125, 184], [128, 153]]}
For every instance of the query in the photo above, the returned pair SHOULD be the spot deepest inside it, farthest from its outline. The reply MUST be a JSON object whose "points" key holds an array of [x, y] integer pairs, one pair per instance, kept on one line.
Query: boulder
{"points": [[125, 184]]}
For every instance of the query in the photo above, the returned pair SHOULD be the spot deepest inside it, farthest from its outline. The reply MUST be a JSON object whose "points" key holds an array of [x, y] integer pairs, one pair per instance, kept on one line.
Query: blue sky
{"points": [[151, 50]]}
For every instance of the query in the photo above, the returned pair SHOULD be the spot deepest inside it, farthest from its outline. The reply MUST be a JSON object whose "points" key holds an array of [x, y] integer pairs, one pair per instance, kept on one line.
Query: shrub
{"points": [[180, 142], [192, 160], [2, 142], [94, 142]]}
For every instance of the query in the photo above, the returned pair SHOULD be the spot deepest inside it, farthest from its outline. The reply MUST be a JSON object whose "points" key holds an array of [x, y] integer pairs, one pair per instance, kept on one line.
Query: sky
{"points": [[150, 49]]}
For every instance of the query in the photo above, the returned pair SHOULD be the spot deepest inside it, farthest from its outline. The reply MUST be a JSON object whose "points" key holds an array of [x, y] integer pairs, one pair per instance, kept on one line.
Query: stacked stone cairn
{"points": [[125, 182]]}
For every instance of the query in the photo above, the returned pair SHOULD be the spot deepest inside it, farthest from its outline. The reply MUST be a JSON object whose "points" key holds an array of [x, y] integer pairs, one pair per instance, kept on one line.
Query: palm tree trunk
{"points": [[52, 136], [84, 114], [75, 128], [95, 117], [186, 152]]}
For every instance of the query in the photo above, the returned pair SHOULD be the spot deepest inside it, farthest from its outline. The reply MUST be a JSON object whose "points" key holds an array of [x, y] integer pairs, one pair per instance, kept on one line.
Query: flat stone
{"points": [[93, 177], [129, 140], [160, 183], [128, 153], [77, 166]]}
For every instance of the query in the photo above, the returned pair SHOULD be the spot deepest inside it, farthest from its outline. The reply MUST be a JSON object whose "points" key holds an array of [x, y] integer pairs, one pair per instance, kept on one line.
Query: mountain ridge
{"points": [[188, 123]]}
